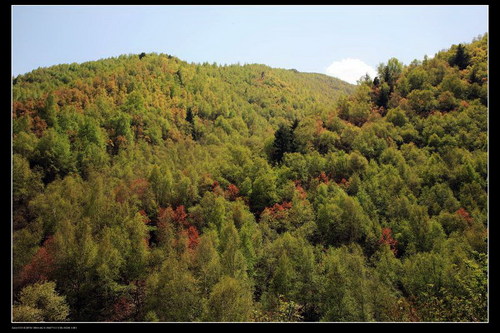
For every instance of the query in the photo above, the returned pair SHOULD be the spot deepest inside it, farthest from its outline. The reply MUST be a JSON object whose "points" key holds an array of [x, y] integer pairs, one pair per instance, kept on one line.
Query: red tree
{"points": [[344, 183], [300, 189], [232, 192], [216, 188], [177, 217], [122, 309], [387, 239], [139, 186], [465, 215], [278, 211], [180, 216], [323, 178], [193, 236], [41, 266]]}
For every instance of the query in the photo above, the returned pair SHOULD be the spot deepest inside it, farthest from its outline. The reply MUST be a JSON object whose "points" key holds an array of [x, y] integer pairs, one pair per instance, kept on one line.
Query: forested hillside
{"points": [[146, 188]]}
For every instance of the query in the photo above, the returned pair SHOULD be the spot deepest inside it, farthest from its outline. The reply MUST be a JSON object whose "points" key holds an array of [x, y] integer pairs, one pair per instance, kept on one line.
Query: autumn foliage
{"points": [[278, 211], [193, 236], [122, 309], [464, 214], [152, 189], [232, 192], [41, 266], [323, 178], [387, 238]]}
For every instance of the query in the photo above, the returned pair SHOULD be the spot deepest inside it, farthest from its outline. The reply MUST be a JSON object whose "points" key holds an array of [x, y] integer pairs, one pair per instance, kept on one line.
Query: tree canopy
{"points": [[146, 188]]}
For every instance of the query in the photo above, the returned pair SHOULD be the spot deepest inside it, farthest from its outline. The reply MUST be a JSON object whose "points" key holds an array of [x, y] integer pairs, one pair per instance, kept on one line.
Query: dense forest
{"points": [[146, 188]]}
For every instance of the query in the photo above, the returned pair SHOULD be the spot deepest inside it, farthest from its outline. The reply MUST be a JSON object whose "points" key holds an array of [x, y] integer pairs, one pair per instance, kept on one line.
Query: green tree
{"points": [[208, 266], [284, 142], [161, 184], [461, 57], [341, 220], [264, 192], [49, 112], [53, 154], [422, 101], [390, 72], [230, 300], [232, 259], [172, 293], [40, 302], [26, 184], [345, 294]]}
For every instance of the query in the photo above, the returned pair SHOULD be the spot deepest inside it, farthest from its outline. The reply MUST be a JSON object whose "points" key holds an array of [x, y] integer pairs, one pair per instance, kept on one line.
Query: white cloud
{"points": [[350, 70]]}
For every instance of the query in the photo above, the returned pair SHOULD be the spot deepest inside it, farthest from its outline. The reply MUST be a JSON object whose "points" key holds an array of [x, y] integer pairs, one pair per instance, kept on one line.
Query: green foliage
{"points": [[50, 110], [341, 220], [390, 73], [26, 182], [40, 302], [422, 101], [284, 142], [230, 300], [287, 311], [150, 189], [460, 58], [172, 293], [208, 268], [263, 191], [346, 287], [397, 117], [53, 155], [232, 259]]}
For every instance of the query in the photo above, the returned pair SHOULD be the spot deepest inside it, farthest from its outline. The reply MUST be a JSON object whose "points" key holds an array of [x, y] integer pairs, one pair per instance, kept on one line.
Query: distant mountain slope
{"points": [[167, 83]]}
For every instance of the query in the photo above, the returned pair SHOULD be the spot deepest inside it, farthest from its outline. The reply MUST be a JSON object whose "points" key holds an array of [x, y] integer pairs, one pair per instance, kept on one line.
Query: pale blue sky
{"points": [[307, 38]]}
